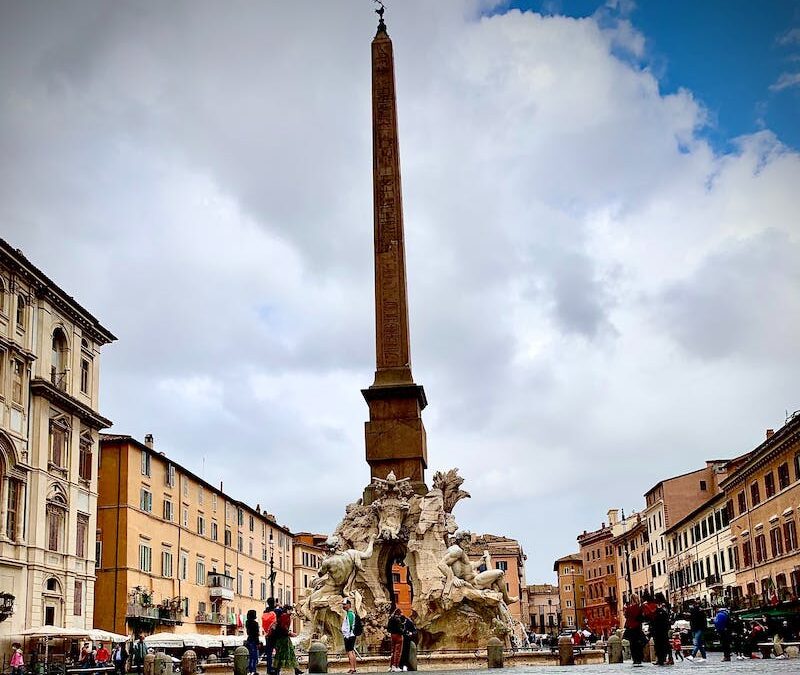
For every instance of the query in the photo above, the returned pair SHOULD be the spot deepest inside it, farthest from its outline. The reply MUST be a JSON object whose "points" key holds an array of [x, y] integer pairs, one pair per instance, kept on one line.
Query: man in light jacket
{"points": [[348, 626]]}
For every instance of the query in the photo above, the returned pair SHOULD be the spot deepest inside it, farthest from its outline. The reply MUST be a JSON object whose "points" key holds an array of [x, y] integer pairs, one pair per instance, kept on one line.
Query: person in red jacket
{"points": [[633, 629]]}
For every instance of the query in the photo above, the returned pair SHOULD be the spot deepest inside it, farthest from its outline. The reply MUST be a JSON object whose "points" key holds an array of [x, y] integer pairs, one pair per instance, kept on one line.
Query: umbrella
{"points": [[165, 640], [99, 635], [51, 631]]}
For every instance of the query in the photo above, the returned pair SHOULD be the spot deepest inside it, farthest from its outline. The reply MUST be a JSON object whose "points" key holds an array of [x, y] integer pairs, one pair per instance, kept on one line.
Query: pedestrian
{"points": [[268, 620], [85, 656], [102, 657], [409, 636], [722, 625], [783, 634], [284, 649], [757, 634], [253, 632], [139, 652], [395, 627], [633, 629], [659, 629], [119, 657], [349, 633], [677, 646], [698, 624], [17, 660]]}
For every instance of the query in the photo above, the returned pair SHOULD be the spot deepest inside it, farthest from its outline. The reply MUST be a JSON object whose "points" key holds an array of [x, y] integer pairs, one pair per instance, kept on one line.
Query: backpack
{"points": [[358, 625]]}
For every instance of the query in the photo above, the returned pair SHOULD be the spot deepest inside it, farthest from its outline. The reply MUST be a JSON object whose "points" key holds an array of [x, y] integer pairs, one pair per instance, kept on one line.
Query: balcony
{"points": [[153, 613], [220, 586], [212, 618], [713, 581]]}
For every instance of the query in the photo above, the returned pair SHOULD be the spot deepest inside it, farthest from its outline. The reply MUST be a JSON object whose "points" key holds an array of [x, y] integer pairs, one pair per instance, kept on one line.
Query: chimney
{"points": [[612, 516], [148, 440], [770, 433]]}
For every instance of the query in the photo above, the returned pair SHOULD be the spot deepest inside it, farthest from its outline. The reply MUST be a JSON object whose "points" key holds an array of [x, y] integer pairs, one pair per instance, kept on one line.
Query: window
{"points": [[239, 582], [240, 544], [200, 573], [85, 376], [185, 484], [168, 514], [145, 500], [252, 524], [761, 548], [776, 542], [570, 619], [747, 555], [81, 535], [797, 466], [213, 502], [201, 526], [2, 296], [184, 566], [12, 513], [59, 442], [166, 564], [755, 496], [98, 553], [251, 587], [21, 312], [783, 476], [240, 517], [185, 517], [145, 558], [703, 485], [790, 536], [742, 502], [17, 377], [55, 516], [263, 589], [200, 495], [214, 534], [77, 598], [567, 587], [227, 537], [171, 475], [769, 485], [85, 459], [145, 463], [502, 565], [569, 603]]}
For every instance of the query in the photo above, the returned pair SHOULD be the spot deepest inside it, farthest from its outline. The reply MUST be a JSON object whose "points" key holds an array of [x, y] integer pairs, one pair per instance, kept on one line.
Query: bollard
{"points": [[240, 658], [566, 651], [614, 649], [494, 653], [626, 649], [162, 664], [412, 656], [317, 657], [188, 662], [149, 660], [649, 651]]}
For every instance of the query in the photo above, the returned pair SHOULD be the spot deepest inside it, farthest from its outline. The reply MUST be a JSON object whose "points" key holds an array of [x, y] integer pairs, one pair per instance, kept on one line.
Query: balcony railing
{"points": [[220, 585], [214, 617], [153, 613], [713, 580]]}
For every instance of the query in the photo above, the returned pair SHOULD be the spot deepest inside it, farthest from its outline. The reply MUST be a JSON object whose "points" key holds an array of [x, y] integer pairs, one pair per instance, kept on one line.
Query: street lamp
{"points": [[271, 567]]}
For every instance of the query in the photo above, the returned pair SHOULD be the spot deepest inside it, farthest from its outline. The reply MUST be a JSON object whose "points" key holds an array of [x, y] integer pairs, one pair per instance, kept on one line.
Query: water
{"points": [[714, 665]]}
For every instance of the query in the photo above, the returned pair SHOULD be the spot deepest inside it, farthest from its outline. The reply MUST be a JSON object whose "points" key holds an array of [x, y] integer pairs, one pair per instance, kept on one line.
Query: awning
{"points": [[776, 612]]}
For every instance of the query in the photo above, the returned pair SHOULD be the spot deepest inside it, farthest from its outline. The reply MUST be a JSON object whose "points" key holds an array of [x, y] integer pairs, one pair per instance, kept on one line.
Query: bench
{"points": [[94, 669], [767, 647]]}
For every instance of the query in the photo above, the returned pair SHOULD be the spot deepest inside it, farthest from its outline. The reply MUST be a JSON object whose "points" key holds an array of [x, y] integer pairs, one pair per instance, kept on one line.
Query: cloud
{"points": [[785, 81], [588, 280]]}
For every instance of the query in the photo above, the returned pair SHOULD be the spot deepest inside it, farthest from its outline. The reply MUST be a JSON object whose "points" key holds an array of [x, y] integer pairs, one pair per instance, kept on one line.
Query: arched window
{"points": [[21, 304], [59, 359], [56, 518], [2, 295]]}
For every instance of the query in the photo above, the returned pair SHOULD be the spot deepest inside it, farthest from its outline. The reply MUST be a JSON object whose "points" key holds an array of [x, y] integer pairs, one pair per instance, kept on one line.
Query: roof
{"points": [[572, 557], [16, 258], [720, 496], [124, 438]]}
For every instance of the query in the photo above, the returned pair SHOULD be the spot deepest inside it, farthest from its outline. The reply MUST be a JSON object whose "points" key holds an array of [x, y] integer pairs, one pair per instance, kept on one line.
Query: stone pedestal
{"points": [[494, 653], [566, 651], [240, 658], [317, 657], [162, 665], [614, 649], [188, 662], [412, 656], [149, 661]]}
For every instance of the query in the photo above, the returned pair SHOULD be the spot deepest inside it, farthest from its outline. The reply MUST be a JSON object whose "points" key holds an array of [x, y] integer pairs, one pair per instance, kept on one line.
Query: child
{"points": [[17, 662], [677, 646]]}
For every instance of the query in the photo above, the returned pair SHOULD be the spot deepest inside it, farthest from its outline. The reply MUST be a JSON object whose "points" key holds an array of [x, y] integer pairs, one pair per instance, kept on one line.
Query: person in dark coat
{"points": [[698, 624], [659, 629], [633, 629], [409, 636], [253, 632], [395, 627]]}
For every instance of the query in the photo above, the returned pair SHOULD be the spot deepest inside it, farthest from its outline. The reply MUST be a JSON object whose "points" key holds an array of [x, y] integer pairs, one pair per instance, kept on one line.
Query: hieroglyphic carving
{"points": [[392, 312]]}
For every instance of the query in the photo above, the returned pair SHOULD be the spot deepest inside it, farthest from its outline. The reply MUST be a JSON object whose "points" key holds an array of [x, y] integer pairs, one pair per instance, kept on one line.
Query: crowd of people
{"points": [[737, 638]]}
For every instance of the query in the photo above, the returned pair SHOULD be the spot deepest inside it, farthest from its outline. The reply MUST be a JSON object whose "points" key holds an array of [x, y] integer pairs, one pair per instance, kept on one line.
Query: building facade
{"points": [[544, 609], [632, 561], [763, 500], [700, 556], [49, 425], [177, 554], [571, 591], [506, 554], [599, 571]]}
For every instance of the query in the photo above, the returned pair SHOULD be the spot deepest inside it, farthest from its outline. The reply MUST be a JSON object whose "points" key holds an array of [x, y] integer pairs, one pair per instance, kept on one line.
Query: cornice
{"points": [[766, 452], [46, 389]]}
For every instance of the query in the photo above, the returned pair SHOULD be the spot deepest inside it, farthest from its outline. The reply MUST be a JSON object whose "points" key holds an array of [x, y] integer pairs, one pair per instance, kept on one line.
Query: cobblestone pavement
{"points": [[714, 665]]}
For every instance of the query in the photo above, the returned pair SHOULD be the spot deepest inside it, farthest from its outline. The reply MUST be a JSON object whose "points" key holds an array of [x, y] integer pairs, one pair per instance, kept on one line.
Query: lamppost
{"points": [[271, 566]]}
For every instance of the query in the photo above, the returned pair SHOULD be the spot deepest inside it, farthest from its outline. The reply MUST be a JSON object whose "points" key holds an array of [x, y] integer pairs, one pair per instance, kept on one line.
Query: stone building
{"points": [[631, 560], [507, 555], [177, 554], [544, 609], [600, 578], [700, 556], [309, 550], [571, 591], [763, 498], [49, 424]]}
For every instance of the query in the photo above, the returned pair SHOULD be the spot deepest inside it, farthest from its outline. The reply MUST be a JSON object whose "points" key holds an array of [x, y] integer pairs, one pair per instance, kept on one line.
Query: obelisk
{"points": [[395, 435]]}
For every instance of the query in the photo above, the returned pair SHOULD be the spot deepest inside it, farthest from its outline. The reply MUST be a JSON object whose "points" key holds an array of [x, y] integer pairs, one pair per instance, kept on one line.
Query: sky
{"points": [[602, 238]]}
